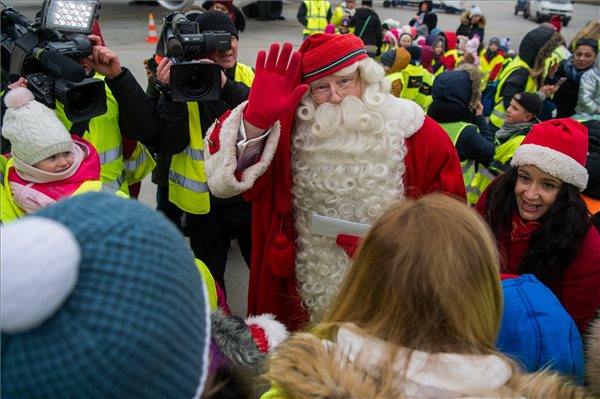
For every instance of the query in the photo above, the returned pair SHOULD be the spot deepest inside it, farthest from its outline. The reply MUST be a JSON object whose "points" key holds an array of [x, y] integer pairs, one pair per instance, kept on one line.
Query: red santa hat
{"points": [[323, 54], [558, 147]]}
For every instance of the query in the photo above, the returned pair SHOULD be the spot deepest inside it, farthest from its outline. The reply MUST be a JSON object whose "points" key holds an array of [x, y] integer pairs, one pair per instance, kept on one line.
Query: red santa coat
{"points": [[579, 291], [432, 164]]}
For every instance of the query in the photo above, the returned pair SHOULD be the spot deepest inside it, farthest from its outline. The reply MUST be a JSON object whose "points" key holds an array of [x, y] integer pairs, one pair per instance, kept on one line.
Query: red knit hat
{"points": [[323, 54], [556, 20], [558, 147]]}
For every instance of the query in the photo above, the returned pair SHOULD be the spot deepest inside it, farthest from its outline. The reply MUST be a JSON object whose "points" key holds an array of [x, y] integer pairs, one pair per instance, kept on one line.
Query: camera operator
{"points": [[136, 115], [211, 222]]}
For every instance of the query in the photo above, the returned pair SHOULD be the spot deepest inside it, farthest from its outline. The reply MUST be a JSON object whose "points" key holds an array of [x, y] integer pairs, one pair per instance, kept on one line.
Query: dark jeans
{"points": [[211, 235]]}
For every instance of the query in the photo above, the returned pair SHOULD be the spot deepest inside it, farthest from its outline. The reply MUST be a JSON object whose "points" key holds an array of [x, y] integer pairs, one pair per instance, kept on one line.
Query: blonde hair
{"points": [[425, 278]]}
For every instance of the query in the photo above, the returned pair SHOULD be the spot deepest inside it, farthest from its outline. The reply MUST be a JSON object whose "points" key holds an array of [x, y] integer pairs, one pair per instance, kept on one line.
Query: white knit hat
{"points": [[34, 130], [476, 11]]}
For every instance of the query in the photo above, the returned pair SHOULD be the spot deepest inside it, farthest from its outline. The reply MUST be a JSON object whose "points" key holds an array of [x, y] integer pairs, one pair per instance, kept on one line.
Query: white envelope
{"points": [[332, 227]]}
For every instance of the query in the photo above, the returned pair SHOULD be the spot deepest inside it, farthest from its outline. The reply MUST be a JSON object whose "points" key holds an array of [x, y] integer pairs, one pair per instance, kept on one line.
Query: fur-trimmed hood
{"points": [[358, 366], [307, 367], [465, 19], [592, 353], [537, 45]]}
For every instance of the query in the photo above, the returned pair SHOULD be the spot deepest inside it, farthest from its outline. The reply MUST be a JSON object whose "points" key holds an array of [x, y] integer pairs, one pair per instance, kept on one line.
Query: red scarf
{"points": [[522, 229]]}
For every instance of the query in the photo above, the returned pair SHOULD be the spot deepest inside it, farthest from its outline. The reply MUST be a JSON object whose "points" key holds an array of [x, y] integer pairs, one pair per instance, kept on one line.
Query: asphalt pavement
{"points": [[125, 28]]}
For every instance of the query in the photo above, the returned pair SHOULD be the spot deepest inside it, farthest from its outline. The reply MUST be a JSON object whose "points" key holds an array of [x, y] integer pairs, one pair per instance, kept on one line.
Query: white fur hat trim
{"points": [[275, 332], [40, 266], [553, 162]]}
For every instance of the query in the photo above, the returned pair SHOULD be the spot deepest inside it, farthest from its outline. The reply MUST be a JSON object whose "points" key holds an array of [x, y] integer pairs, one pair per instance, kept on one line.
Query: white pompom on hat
{"points": [[34, 130], [40, 265], [558, 147]]}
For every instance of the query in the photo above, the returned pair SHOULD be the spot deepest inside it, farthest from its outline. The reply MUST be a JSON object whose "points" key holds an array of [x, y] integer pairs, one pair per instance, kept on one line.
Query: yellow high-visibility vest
{"points": [[416, 85], [484, 176], [139, 165], [499, 113], [104, 134], [454, 129], [316, 16], [188, 188]]}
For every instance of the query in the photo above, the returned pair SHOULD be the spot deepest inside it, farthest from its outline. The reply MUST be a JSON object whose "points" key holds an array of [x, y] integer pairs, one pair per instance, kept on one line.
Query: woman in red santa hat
{"points": [[540, 220], [321, 136]]}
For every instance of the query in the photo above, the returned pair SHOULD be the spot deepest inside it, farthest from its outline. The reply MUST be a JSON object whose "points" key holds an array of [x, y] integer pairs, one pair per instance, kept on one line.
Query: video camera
{"points": [[182, 41], [44, 52]]}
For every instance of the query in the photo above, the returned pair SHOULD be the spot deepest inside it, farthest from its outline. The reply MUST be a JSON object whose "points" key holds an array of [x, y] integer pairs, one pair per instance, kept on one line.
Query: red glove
{"points": [[449, 62], [348, 243], [275, 90]]}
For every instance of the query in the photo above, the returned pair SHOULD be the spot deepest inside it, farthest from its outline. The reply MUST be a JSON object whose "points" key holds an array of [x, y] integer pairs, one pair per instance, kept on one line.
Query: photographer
{"points": [[211, 222], [128, 112]]}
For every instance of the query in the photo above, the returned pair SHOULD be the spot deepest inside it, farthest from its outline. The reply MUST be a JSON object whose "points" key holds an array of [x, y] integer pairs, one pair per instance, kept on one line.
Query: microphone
{"points": [[174, 47], [60, 65]]}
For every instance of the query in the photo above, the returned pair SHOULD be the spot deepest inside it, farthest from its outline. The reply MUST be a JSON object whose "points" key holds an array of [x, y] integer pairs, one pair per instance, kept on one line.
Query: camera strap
{"points": [[79, 128]]}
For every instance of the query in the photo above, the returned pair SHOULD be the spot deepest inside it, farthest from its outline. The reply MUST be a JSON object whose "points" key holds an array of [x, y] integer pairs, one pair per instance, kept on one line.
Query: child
{"points": [[457, 108], [395, 333], [521, 114], [491, 61], [405, 40], [471, 55], [47, 163], [394, 61], [588, 103], [416, 80]]}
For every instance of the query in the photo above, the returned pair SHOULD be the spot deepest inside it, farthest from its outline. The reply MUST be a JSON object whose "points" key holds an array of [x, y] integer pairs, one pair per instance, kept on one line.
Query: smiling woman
{"points": [[541, 222]]}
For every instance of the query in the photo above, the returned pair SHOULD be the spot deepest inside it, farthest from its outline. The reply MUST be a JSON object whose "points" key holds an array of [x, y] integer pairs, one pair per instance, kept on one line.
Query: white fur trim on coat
{"points": [[553, 162], [275, 332], [220, 167]]}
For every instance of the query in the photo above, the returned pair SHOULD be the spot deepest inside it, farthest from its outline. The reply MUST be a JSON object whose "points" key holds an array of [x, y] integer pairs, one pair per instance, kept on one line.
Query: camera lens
{"points": [[83, 100], [195, 81]]}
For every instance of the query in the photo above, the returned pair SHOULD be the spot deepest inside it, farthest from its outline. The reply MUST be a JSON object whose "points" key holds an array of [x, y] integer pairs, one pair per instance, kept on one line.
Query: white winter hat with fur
{"points": [[34, 130]]}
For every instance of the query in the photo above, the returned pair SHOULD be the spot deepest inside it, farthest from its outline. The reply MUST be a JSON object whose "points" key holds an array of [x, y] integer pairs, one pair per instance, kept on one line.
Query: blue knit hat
{"points": [[101, 299]]}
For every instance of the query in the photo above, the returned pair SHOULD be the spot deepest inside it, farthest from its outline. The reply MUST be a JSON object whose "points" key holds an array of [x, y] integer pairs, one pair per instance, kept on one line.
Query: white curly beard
{"points": [[347, 163]]}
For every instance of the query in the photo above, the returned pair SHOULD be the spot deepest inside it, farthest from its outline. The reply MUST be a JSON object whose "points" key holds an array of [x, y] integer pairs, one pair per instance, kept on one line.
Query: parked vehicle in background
{"points": [[521, 6], [544, 10]]}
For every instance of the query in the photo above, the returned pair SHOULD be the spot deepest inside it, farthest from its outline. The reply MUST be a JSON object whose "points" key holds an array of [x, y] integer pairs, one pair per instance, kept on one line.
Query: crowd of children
{"points": [[495, 296]]}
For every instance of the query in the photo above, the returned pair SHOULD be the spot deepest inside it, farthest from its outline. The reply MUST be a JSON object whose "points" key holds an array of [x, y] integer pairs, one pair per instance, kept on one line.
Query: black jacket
{"points": [[371, 35], [451, 94], [430, 18], [592, 163]]}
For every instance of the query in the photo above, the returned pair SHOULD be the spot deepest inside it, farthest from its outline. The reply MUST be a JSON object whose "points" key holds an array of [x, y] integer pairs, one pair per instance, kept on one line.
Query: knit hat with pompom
{"points": [[34, 130]]}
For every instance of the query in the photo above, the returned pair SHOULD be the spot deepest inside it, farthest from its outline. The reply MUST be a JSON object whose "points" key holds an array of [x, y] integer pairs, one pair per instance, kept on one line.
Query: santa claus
{"points": [[321, 136]]}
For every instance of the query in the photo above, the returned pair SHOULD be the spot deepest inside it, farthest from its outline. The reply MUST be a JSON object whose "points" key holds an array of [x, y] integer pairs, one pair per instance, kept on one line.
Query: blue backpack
{"points": [[487, 97]]}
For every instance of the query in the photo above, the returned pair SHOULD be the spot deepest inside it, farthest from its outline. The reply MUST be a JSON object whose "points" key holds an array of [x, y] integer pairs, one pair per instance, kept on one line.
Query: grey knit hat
{"points": [[34, 130], [388, 57], [101, 299]]}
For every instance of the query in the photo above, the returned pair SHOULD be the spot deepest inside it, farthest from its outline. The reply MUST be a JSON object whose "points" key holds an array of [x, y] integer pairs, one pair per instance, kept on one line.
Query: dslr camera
{"points": [[45, 53], [182, 41]]}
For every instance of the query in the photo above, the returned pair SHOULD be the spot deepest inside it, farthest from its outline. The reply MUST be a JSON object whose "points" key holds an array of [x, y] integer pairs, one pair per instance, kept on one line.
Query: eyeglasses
{"points": [[343, 86]]}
